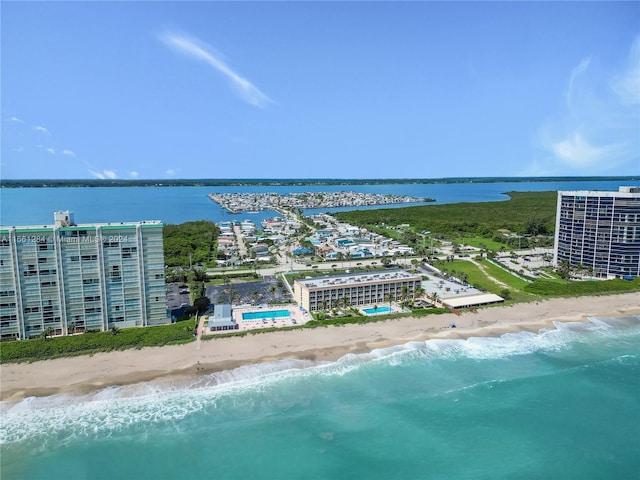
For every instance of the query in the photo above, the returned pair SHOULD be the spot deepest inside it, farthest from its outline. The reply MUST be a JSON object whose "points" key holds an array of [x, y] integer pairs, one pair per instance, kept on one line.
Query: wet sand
{"points": [[78, 375]]}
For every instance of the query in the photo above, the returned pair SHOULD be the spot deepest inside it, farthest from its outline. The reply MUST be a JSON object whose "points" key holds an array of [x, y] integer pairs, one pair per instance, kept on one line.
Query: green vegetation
{"points": [[90, 343], [476, 224], [336, 321], [533, 210], [201, 304], [550, 288], [372, 318], [190, 243], [478, 276], [479, 242], [199, 182]]}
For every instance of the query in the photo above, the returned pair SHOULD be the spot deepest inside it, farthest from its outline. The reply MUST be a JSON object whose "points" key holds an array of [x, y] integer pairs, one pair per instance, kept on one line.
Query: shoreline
{"points": [[90, 373]]}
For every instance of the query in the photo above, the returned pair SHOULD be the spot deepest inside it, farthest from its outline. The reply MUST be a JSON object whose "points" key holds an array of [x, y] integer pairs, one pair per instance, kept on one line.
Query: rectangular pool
{"points": [[377, 311], [265, 314]]}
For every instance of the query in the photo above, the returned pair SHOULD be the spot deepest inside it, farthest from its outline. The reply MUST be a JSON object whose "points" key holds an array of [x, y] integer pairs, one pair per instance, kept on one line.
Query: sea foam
{"points": [[128, 408]]}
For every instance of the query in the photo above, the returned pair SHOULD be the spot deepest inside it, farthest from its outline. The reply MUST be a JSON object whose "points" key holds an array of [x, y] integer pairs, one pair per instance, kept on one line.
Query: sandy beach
{"points": [[78, 375]]}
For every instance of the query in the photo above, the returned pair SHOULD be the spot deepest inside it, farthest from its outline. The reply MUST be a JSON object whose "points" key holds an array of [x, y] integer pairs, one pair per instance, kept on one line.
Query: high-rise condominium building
{"points": [[75, 278], [599, 231]]}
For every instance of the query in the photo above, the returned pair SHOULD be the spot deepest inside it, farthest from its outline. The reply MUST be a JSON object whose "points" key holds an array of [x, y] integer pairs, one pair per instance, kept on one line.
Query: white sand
{"points": [[87, 373]]}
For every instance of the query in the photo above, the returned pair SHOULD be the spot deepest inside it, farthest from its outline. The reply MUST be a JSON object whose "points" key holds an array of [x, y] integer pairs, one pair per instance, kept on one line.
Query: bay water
{"points": [[562, 403], [35, 206]]}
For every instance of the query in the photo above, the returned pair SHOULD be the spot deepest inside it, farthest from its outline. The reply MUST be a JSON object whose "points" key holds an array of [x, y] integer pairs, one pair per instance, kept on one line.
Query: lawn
{"points": [[475, 276], [89, 343]]}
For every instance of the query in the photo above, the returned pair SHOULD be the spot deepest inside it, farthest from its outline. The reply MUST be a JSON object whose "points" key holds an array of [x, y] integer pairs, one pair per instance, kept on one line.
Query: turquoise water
{"points": [[265, 314], [35, 206], [563, 403], [374, 311]]}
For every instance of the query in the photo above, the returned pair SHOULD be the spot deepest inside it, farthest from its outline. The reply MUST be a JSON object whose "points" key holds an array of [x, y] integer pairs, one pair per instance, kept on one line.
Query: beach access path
{"points": [[78, 375]]}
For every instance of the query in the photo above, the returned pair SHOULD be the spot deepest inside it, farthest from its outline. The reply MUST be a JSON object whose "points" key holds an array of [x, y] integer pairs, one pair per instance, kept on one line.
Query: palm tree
{"points": [[388, 298], [235, 296], [404, 294], [254, 297], [434, 298], [47, 332], [345, 302], [418, 292], [347, 256]]}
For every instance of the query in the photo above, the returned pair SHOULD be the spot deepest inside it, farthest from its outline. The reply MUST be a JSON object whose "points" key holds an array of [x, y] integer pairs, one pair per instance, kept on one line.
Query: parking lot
{"points": [[529, 262], [174, 296], [265, 291]]}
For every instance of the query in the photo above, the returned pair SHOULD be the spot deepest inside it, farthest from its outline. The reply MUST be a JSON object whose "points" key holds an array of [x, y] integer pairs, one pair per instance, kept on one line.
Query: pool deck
{"points": [[395, 308], [298, 317]]}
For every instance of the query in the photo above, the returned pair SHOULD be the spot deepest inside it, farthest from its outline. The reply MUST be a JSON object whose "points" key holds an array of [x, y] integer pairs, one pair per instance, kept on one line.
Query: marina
{"points": [[256, 202]]}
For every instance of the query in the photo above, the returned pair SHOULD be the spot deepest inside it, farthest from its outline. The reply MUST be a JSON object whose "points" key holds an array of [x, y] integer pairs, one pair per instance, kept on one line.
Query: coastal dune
{"points": [[84, 374]]}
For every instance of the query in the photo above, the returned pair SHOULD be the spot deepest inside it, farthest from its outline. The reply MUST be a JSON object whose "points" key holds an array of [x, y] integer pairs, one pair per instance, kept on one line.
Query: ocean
{"points": [[35, 206], [563, 403]]}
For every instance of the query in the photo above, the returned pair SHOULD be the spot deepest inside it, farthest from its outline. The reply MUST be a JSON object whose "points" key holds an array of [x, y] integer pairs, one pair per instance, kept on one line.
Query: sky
{"points": [[357, 90]]}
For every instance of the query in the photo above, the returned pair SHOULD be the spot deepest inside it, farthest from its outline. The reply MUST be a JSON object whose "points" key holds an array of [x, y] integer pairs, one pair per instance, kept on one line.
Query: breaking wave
{"points": [[129, 409]]}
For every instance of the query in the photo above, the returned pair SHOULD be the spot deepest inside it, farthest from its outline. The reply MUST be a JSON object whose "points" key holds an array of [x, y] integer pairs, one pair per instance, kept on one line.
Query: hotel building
{"points": [[600, 231], [75, 278], [320, 293]]}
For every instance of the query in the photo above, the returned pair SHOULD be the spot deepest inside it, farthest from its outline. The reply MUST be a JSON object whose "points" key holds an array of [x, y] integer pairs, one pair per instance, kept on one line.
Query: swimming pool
{"points": [[376, 311], [265, 314]]}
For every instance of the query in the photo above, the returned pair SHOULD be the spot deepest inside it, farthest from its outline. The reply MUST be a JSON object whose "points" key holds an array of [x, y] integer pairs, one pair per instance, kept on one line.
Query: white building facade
{"points": [[75, 278], [321, 293], [599, 231]]}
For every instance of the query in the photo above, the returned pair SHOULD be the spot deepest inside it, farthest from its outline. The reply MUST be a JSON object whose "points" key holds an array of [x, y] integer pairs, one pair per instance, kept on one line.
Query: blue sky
{"points": [[156, 90]]}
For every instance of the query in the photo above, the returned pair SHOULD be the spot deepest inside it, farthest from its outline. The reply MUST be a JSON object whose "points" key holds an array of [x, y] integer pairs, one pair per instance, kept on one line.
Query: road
{"points": [[242, 248]]}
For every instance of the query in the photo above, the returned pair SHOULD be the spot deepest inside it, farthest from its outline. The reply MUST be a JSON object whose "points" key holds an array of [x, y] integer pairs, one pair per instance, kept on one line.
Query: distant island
{"points": [[234, 182], [254, 202]]}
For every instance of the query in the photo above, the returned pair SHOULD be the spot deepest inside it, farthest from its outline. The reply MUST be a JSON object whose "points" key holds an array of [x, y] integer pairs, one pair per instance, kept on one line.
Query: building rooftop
{"points": [[85, 225], [623, 191], [355, 278]]}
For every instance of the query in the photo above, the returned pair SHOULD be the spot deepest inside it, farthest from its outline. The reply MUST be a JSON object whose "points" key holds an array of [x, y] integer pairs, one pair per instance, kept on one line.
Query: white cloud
{"points": [[578, 152], [170, 172], [105, 174], [577, 71], [51, 151], [16, 119], [596, 132], [133, 174], [41, 129], [627, 84], [69, 153], [196, 49]]}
